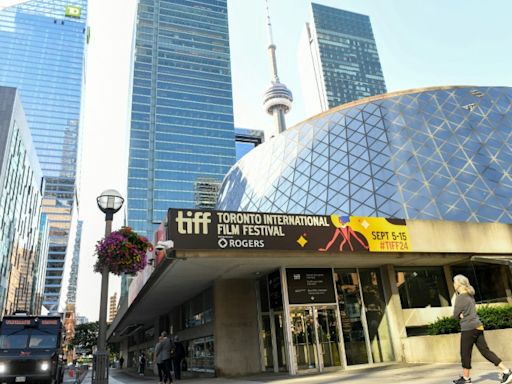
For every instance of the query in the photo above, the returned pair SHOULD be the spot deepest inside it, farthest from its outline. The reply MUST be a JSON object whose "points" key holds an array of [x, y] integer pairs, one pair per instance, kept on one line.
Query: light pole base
{"points": [[100, 368]]}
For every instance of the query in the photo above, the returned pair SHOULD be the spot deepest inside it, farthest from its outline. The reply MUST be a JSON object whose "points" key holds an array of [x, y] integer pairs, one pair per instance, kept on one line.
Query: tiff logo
{"points": [[196, 224]]}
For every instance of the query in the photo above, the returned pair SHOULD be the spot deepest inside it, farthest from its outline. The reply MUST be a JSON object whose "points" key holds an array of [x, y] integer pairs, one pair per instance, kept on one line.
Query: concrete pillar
{"points": [[236, 328], [394, 311]]}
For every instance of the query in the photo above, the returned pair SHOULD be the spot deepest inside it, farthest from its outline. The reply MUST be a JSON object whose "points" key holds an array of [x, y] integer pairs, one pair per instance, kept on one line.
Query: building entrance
{"points": [[315, 337]]}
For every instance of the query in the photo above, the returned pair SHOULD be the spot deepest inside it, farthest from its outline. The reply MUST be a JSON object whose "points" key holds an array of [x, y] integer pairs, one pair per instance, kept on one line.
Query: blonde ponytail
{"points": [[463, 282]]}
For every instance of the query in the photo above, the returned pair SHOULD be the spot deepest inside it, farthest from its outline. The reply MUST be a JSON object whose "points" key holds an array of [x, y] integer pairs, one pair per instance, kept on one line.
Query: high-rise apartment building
{"points": [[182, 130], [21, 192], [338, 59], [42, 46]]}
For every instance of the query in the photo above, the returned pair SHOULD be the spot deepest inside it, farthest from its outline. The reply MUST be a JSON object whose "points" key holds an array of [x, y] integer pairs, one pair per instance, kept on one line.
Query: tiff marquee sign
{"points": [[197, 229]]}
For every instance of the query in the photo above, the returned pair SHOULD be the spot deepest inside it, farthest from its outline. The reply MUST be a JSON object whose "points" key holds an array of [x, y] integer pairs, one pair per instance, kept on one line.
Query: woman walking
{"points": [[472, 332], [158, 359]]}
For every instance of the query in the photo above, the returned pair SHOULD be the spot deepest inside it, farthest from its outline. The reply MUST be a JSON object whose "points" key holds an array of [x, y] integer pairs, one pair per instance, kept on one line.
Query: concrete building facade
{"points": [[289, 295]]}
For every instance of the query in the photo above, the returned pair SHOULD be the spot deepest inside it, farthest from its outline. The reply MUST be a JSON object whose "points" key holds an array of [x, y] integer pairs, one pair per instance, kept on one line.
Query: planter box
{"points": [[446, 348]]}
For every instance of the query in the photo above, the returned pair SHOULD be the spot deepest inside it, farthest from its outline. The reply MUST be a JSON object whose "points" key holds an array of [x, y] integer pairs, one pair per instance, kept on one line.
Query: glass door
{"points": [[353, 322], [328, 337], [304, 338], [315, 337], [364, 322]]}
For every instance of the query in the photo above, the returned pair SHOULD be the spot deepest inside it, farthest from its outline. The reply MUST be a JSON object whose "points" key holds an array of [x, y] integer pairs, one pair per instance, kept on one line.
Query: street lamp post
{"points": [[110, 201]]}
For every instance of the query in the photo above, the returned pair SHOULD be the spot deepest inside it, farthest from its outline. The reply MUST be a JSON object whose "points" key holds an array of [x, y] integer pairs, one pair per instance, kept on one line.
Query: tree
{"points": [[86, 336]]}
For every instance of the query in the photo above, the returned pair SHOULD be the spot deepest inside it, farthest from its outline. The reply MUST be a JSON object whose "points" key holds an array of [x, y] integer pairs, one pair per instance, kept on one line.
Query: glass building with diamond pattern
{"points": [[440, 153]]}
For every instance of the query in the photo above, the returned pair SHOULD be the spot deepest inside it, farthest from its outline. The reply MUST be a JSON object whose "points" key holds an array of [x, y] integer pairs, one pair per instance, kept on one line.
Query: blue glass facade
{"points": [[438, 153], [341, 50], [182, 134], [42, 44], [21, 192]]}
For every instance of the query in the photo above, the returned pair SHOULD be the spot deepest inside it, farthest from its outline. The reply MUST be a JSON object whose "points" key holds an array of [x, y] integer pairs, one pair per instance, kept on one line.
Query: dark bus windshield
{"points": [[33, 339]]}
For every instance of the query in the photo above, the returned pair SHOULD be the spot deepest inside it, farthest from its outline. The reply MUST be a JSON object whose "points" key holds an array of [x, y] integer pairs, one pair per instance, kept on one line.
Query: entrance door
{"points": [[364, 322], [315, 337]]}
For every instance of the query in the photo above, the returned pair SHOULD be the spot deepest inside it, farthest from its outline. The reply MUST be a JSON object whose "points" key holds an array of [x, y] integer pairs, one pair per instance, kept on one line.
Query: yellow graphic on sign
{"points": [[374, 234], [382, 235], [302, 241], [73, 11]]}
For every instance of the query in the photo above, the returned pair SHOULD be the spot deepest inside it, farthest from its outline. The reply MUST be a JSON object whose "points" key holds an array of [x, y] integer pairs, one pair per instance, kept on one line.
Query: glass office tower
{"points": [[42, 44], [182, 135], [21, 189], [338, 59]]}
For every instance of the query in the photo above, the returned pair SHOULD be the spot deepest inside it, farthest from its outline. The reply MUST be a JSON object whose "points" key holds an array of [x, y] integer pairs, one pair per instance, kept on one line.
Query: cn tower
{"points": [[277, 99]]}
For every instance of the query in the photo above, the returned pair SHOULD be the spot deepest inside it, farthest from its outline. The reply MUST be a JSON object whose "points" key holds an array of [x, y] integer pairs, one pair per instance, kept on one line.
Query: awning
{"points": [[494, 259]]}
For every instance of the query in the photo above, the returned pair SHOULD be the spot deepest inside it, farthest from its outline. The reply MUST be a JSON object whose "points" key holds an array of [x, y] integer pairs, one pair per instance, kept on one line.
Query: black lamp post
{"points": [[110, 201]]}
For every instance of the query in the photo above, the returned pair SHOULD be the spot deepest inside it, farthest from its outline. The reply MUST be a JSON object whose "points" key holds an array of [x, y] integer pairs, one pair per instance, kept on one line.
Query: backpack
{"points": [[172, 349]]}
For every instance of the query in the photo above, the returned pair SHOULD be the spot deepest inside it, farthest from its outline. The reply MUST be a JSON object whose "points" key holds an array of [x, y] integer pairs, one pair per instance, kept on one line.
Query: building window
{"points": [[199, 310], [422, 287], [490, 281]]}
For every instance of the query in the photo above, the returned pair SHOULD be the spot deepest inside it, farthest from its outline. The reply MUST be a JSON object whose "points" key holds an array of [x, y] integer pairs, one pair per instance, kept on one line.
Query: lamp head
{"points": [[110, 201]]}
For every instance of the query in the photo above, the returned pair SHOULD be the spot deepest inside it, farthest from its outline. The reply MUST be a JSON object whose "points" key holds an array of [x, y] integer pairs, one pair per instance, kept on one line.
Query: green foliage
{"points": [[498, 317], [444, 325], [86, 336]]}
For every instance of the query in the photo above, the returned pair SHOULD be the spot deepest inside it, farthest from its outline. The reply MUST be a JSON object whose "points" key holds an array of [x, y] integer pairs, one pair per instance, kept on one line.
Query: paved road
{"points": [[483, 373]]}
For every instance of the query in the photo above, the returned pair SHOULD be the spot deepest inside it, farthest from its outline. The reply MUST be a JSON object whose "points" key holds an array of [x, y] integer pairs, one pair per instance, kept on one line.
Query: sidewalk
{"points": [[482, 373]]}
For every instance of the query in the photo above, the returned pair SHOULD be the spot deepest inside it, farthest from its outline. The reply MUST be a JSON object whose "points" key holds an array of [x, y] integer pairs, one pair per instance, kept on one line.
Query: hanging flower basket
{"points": [[123, 251]]}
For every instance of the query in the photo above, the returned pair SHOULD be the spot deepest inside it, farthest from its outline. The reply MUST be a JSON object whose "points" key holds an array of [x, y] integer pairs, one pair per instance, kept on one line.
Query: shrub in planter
{"points": [[443, 326], [123, 251], [491, 317], [496, 317]]}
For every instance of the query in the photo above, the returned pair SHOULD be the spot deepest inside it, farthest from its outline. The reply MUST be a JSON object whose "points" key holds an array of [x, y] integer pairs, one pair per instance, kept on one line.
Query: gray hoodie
{"points": [[465, 304], [163, 349]]}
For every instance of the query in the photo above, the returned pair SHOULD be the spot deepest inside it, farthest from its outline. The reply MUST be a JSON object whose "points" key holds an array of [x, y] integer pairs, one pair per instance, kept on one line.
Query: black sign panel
{"points": [[274, 290], [195, 229], [310, 286]]}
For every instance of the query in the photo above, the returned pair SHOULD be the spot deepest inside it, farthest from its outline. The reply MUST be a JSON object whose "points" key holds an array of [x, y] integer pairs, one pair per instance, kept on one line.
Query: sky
{"points": [[420, 43]]}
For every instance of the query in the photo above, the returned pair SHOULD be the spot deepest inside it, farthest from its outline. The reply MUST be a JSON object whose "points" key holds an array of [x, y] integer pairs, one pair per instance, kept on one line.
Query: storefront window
{"points": [[422, 287], [489, 280], [200, 354]]}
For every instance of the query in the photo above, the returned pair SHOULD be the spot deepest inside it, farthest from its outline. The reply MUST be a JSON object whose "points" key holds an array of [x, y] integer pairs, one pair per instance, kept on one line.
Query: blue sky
{"points": [[421, 43]]}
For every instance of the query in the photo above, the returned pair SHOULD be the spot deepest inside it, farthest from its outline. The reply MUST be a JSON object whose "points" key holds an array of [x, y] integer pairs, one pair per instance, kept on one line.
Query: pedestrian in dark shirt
{"points": [[179, 355], [142, 364], [121, 362], [472, 332]]}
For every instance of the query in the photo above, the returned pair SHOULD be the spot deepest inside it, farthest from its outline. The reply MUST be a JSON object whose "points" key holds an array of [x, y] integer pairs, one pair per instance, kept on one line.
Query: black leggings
{"points": [[475, 337]]}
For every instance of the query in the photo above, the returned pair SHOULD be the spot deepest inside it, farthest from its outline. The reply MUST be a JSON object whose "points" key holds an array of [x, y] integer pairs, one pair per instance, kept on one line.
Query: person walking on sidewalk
{"points": [[142, 363], [158, 359], [472, 332], [178, 357], [163, 350]]}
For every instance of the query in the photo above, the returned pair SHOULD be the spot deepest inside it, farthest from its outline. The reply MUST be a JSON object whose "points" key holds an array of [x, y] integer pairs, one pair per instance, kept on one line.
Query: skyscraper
{"points": [[338, 59], [182, 114], [42, 44], [21, 189]]}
